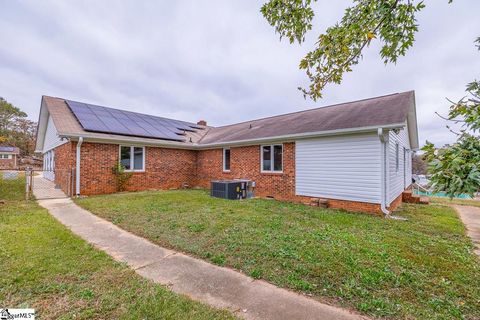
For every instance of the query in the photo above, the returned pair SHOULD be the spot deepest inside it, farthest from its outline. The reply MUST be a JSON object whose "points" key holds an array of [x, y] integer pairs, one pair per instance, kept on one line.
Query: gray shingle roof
{"points": [[384, 110], [9, 149]]}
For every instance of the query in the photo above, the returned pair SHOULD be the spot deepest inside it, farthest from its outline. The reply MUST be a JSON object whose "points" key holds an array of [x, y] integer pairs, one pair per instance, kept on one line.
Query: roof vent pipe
{"points": [[77, 169]]}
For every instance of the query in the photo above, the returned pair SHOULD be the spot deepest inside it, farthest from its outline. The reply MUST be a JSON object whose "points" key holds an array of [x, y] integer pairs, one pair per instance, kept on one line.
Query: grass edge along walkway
{"points": [[200, 280], [420, 268], [44, 266]]}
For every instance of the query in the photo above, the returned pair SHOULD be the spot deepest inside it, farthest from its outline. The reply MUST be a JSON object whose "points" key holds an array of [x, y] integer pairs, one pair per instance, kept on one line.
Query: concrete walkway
{"points": [[202, 281], [45, 189], [471, 218]]}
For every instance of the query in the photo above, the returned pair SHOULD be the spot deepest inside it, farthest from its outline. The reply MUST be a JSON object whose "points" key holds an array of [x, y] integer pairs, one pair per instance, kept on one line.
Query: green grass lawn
{"points": [[448, 201], [422, 268], [44, 266]]}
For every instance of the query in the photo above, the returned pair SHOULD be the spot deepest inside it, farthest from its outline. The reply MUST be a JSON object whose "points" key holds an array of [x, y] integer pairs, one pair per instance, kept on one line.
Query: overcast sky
{"points": [[216, 60]]}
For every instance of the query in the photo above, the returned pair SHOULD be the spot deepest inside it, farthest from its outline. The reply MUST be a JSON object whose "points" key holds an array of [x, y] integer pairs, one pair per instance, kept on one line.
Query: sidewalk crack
{"points": [[155, 261]]}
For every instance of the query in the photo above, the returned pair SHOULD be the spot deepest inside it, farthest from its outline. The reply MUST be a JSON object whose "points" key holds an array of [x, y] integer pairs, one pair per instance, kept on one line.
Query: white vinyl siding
{"points": [[346, 167], [51, 137], [49, 165], [398, 179]]}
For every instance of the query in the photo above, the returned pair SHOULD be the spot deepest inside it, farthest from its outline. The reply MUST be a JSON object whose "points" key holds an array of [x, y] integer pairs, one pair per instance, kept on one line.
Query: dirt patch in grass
{"points": [[420, 268]]}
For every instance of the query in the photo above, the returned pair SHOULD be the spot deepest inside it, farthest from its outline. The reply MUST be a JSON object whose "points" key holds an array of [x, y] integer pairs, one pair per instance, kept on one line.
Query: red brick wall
{"points": [[172, 168], [64, 163], [245, 164], [396, 203], [164, 169], [354, 206], [8, 163]]}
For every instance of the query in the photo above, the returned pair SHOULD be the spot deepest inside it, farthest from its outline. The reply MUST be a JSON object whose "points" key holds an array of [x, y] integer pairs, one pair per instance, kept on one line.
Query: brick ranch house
{"points": [[9, 157], [355, 155]]}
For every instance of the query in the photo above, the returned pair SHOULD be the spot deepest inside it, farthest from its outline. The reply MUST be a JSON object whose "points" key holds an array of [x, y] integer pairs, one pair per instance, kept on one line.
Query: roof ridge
{"points": [[312, 109]]}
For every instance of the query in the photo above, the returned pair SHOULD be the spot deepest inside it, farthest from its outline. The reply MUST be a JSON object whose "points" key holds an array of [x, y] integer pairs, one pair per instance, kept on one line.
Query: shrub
{"points": [[121, 176]]}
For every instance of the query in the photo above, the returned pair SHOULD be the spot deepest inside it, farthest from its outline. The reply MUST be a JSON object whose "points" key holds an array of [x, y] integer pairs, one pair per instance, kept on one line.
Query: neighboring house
{"points": [[9, 157], [32, 162], [357, 155]]}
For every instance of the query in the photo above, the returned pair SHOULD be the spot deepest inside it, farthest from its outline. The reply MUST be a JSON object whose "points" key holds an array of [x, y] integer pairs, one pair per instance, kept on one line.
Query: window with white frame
{"points": [[397, 157], [132, 158], [272, 158], [226, 159]]}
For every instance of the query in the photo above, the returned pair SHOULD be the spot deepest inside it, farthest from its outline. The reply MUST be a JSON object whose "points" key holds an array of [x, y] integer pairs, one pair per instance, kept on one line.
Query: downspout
{"points": [[383, 142], [77, 169]]}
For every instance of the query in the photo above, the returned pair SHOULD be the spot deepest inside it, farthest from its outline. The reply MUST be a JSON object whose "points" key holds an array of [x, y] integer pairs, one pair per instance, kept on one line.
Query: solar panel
{"points": [[7, 149], [107, 120]]}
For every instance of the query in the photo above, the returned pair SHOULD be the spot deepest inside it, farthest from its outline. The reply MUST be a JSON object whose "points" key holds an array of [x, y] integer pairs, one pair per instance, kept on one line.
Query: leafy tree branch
{"points": [[392, 22], [456, 168]]}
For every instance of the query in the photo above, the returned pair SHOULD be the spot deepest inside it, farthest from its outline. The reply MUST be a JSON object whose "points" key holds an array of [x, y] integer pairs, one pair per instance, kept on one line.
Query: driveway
{"points": [[471, 218]]}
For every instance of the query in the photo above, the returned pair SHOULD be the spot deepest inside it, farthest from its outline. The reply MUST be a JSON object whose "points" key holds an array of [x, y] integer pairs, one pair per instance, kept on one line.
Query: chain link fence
{"points": [[13, 184], [36, 184]]}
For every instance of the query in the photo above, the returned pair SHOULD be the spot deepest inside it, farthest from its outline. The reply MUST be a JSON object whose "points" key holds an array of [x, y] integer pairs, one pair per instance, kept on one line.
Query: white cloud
{"points": [[216, 60]]}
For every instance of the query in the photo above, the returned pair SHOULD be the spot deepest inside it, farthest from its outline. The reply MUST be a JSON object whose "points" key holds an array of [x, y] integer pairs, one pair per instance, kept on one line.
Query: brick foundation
{"points": [[353, 206], [174, 168], [395, 203]]}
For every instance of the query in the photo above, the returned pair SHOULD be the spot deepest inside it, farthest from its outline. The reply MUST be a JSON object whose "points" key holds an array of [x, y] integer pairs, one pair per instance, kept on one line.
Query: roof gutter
{"points": [[383, 136], [77, 169], [126, 140]]}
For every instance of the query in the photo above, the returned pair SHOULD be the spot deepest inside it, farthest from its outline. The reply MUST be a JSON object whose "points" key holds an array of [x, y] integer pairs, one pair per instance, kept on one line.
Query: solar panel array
{"points": [[107, 120]]}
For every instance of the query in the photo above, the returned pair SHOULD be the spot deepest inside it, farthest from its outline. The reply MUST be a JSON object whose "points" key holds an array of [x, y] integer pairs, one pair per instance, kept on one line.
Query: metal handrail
{"points": [[419, 187], [423, 188]]}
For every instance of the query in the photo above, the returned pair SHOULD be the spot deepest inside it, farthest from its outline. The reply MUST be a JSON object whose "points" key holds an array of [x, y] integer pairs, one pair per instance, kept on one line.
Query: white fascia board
{"points": [[413, 126], [41, 127], [91, 137]]}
